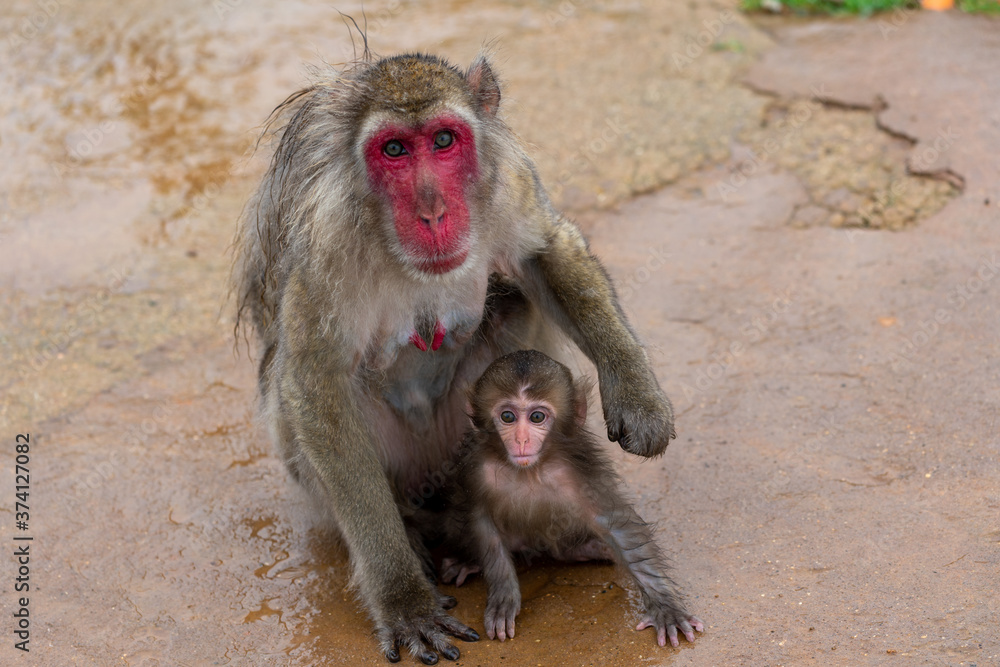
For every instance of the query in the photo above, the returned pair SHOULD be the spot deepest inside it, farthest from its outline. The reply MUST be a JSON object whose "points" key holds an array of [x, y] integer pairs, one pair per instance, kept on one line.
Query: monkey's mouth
{"points": [[443, 264], [524, 461]]}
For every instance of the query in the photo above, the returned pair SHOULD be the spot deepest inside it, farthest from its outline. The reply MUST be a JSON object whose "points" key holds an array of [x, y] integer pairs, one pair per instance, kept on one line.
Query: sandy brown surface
{"points": [[801, 217]]}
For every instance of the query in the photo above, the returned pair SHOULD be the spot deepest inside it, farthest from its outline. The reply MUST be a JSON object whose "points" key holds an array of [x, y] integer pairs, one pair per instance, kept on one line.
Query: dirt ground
{"points": [[803, 220]]}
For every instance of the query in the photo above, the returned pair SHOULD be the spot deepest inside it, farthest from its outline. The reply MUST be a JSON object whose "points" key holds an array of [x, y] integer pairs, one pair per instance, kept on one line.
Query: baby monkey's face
{"points": [[523, 424]]}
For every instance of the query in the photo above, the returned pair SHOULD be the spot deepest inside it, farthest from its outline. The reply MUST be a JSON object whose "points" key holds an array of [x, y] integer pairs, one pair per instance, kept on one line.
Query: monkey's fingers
{"points": [[456, 628], [419, 650], [457, 572], [497, 628], [444, 601], [440, 642], [466, 572], [389, 645], [661, 630], [449, 570], [667, 630], [427, 657], [688, 630], [642, 429], [500, 617], [424, 638], [392, 654], [442, 645]]}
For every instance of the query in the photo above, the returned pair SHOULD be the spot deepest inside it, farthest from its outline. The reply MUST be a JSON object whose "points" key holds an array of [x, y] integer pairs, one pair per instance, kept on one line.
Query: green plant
{"points": [[983, 6], [861, 7]]}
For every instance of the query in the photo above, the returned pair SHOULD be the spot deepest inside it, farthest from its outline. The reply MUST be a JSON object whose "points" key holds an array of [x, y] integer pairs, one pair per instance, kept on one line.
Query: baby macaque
{"points": [[533, 479]]}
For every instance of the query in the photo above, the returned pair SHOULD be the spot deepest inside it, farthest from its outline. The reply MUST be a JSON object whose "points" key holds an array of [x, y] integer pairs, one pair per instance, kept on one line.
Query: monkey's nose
{"points": [[430, 220]]}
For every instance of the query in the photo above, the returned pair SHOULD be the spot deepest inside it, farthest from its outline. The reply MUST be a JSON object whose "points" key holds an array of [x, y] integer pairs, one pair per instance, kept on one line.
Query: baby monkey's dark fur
{"points": [[568, 505]]}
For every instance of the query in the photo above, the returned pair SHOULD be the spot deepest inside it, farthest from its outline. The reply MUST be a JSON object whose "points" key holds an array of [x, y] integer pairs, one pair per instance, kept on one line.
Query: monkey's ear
{"points": [[581, 392], [484, 86], [470, 412]]}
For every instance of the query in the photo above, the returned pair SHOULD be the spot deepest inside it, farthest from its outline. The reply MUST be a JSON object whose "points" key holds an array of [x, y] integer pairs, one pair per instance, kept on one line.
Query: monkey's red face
{"points": [[523, 424], [424, 172]]}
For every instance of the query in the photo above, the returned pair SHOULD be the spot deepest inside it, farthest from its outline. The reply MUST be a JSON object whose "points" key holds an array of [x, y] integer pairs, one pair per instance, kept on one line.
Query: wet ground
{"points": [[802, 218]]}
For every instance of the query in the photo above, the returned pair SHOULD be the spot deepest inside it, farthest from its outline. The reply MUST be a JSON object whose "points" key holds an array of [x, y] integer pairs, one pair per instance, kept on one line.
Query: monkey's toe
{"points": [[666, 627], [454, 571], [456, 628], [499, 619]]}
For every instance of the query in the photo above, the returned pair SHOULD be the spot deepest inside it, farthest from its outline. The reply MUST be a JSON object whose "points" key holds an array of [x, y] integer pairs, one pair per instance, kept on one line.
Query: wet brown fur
{"points": [[569, 505]]}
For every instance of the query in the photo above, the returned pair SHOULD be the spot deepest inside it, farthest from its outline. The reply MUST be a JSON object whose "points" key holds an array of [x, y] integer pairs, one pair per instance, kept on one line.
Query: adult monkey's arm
{"points": [[573, 286]]}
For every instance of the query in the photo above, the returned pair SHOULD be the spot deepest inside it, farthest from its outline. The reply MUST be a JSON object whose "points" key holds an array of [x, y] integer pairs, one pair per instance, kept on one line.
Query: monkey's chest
{"points": [[542, 513], [420, 363], [415, 384]]}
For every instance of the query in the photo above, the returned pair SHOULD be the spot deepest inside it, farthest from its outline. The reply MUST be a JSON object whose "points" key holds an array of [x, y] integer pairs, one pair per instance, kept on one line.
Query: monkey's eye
{"points": [[537, 417], [394, 149], [443, 139], [508, 417]]}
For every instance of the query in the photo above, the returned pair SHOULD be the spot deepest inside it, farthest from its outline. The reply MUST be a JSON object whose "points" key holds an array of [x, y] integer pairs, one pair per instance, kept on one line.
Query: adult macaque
{"points": [[400, 241], [531, 478]]}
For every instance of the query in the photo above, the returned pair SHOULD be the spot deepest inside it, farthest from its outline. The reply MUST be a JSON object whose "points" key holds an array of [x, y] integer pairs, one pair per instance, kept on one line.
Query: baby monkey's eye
{"points": [[537, 417], [508, 417]]}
